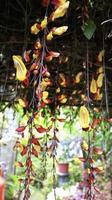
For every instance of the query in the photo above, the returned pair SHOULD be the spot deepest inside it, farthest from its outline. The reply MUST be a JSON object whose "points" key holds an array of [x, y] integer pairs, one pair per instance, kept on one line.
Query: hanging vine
{"points": [[33, 72]]}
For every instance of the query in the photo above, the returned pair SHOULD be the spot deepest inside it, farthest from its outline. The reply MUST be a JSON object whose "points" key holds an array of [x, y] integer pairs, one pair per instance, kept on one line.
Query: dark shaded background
{"points": [[16, 18]]}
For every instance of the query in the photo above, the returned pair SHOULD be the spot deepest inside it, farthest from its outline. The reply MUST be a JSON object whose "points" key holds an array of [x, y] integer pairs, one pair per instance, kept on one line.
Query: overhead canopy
{"points": [[78, 64]]}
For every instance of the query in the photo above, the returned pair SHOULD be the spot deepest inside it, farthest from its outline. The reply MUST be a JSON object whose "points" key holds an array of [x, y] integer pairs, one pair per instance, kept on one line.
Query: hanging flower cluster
{"points": [[97, 80], [32, 71], [91, 153], [36, 60]]}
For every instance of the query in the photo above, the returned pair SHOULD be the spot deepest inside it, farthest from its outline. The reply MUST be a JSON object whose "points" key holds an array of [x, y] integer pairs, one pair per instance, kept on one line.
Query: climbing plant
{"points": [[33, 71], [44, 85]]}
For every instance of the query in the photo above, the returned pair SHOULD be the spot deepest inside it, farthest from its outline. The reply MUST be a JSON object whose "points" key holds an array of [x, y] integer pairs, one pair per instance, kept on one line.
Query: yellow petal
{"points": [[34, 29], [16, 164], [37, 148], [99, 95], [100, 70], [62, 98], [84, 145], [19, 147], [60, 2], [84, 117], [83, 97], [93, 86], [100, 168], [22, 103], [58, 90], [45, 82], [77, 161], [44, 23], [43, 85], [50, 36], [88, 171], [101, 55], [100, 80], [62, 79], [60, 11], [60, 30], [20, 68], [45, 95], [78, 77], [24, 141]]}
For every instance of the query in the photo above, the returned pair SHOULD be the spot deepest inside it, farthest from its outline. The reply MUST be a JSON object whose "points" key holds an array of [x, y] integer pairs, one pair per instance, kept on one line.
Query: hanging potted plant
{"points": [[63, 159]]}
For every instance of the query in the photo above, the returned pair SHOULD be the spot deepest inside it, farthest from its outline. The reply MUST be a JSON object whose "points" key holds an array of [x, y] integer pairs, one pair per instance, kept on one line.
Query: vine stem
{"points": [[105, 78], [88, 105], [30, 121], [87, 76], [28, 169]]}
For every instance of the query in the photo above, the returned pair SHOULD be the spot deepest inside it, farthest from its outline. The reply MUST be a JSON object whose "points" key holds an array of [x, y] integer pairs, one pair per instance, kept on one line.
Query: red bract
{"points": [[95, 123], [34, 66], [109, 120], [42, 105], [30, 180], [96, 189], [35, 141], [97, 169], [61, 120], [48, 58], [20, 164], [24, 151], [20, 129], [26, 56], [86, 196], [45, 3], [41, 129], [49, 101], [97, 150], [29, 163], [34, 152], [26, 82], [55, 2], [44, 71], [82, 159], [91, 178], [38, 93], [54, 54], [91, 160], [39, 26]]}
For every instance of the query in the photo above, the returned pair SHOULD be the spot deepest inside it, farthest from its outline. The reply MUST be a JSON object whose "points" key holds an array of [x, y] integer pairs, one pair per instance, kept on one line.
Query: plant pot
{"points": [[63, 168], [2, 188]]}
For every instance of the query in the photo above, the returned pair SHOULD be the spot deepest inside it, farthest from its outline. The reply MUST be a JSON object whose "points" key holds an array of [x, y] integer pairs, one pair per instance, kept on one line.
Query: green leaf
{"points": [[89, 28]]}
